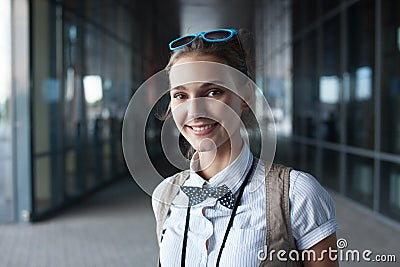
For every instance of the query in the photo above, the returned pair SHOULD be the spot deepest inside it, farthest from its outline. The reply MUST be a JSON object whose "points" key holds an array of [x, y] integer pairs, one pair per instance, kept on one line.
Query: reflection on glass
{"points": [[363, 83], [360, 179], [330, 169], [390, 190], [329, 89], [394, 194], [71, 187], [310, 162], [329, 81], [93, 88], [390, 81], [107, 161], [70, 84], [328, 5], [361, 59], [398, 38], [43, 184], [6, 181], [72, 33], [346, 87], [305, 13], [305, 86]]}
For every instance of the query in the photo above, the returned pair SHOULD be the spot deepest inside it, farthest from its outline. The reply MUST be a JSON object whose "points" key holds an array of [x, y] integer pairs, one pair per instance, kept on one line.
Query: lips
{"points": [[202, 129]]}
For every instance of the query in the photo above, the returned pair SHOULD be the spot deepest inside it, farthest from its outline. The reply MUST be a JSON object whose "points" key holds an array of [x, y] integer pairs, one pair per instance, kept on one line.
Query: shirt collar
{"points": [[231, 176]]}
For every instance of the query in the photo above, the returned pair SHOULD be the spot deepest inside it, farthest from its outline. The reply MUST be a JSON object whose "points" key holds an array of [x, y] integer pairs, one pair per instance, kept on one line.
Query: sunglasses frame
{"points": [[231, 32]]}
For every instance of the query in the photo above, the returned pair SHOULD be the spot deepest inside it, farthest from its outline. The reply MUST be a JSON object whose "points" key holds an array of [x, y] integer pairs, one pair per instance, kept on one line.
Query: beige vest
{"points": [[279, 234]]}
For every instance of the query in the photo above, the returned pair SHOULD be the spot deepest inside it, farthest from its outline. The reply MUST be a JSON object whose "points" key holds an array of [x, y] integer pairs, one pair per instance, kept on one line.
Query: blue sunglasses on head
{"points": [[218, 35]]}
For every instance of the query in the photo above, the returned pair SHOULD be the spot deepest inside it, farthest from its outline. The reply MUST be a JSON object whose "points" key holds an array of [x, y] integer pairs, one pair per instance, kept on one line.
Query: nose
{"points": [[194, 108]]}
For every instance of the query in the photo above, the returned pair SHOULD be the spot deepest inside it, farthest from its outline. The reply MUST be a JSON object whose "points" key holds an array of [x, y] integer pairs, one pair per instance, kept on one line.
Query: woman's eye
{"points": [[179, 96], [214, 92]]}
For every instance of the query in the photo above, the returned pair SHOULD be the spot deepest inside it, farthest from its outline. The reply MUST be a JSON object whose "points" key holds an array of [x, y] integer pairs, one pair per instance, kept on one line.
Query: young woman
{"points": [[228, 219]]}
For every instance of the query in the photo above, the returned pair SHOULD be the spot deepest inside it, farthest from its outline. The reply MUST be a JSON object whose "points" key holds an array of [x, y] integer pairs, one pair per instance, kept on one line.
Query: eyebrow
{"points": [[203, 85]]}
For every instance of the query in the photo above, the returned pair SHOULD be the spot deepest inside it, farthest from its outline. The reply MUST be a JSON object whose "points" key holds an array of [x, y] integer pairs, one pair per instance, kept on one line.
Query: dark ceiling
{"points": [[201, 15]]}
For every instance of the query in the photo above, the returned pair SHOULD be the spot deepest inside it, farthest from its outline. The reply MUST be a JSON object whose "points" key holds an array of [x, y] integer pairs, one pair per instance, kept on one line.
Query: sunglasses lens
{"points": [[182, 41], [217, 35]]}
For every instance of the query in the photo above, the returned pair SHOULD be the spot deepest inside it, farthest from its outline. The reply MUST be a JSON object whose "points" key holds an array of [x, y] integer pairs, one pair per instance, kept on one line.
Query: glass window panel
{"points": [[390, 116], [46, 93], [296, 154], [289, 153], [284, 151], [120, 160], [304, 158], [6, 153], [390, 190], [310, 162], [278, 75], [305, 12], [72, 82], [77, 123], [113, 18], [329, 82], [91, 167], [328, 5], [360, 100], [46, 99], [360, 174], [71, 185], [6, 182], [42, 184], [305, 86], [93, 82], [107, 156], [330, 173]]}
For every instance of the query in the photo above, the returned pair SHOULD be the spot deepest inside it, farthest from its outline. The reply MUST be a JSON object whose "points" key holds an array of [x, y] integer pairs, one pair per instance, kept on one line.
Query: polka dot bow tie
{"points": [[197, 195]]}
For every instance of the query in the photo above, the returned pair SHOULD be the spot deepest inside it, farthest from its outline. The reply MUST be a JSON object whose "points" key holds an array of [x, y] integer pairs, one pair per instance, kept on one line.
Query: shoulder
{"points": [[164, 190], [312, 209], [306, 192], [302, 183]]}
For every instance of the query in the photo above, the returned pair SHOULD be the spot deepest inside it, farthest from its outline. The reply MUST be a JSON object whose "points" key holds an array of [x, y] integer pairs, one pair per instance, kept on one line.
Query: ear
{"points": [[249, 96], [244, 105]]}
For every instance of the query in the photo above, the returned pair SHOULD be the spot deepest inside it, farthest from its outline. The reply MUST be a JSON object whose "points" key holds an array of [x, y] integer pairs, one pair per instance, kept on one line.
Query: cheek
{"points": [[178, 112], [230, 111], [228, 115], [177, 118], [236, 104]]}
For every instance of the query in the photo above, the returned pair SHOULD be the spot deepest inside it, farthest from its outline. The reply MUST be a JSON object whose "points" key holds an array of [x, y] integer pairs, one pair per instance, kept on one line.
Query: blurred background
{"points": [[330, 70]]}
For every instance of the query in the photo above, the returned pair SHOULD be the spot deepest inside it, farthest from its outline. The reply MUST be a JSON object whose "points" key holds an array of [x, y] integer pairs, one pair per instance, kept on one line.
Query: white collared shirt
{"points": [[312, 218]]}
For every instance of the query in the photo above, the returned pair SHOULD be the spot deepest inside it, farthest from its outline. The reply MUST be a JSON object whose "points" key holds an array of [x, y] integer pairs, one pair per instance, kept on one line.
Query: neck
{"points": [[212, 162]]}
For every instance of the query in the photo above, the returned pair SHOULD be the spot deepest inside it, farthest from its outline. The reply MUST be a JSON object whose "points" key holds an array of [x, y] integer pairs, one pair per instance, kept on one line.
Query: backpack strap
{"points": [[165, 194], [279, 233]]}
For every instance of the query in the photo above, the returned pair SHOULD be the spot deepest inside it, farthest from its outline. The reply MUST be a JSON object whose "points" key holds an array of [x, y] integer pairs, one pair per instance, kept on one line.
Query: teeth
{"points": [[202, 128]]}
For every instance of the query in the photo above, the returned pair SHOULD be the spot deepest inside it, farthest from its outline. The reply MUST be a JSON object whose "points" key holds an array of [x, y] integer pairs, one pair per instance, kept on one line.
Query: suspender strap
{"points": [[184, 245], [237, 203], [279, 233], [166, 195]]}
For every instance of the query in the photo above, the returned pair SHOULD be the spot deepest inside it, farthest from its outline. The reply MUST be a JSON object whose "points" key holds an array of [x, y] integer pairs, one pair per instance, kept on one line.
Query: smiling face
{"points": [[207, 115]]}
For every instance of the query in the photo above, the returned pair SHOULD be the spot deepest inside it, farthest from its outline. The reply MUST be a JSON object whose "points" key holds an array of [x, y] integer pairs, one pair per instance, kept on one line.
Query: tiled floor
{"points": [[116, 227], [364, 231]]}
